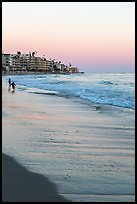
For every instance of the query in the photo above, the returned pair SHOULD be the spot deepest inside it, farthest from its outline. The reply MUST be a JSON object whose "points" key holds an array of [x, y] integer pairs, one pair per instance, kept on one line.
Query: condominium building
{"points": [[29, 62]]}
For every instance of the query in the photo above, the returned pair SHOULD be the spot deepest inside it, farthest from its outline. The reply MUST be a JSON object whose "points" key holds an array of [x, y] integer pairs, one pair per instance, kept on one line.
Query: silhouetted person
{"points": [[13, 86], [9, 81]]}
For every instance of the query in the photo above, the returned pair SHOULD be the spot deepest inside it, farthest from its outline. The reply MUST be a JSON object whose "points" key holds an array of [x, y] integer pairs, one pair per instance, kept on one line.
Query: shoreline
{"points": [[21, 185], [12, 73], [82, 150]]}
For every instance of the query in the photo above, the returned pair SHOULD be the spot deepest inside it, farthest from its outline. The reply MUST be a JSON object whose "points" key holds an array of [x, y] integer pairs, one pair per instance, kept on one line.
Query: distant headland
{"points": [[29, 63]]}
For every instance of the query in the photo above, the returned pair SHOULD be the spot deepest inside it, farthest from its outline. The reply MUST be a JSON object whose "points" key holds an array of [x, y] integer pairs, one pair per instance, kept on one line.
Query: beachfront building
{"points": [[29, 62], [21, 62], [39, 64], [7, 61], [3, 62]]}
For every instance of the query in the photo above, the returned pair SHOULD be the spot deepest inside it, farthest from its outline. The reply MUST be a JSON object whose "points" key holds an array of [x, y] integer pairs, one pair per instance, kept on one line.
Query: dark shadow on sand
{"points": [[20, 185]]}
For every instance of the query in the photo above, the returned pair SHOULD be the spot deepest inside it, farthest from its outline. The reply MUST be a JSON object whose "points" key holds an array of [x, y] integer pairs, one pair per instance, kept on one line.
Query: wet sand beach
{"points": [[20, 185], [87, 151]]}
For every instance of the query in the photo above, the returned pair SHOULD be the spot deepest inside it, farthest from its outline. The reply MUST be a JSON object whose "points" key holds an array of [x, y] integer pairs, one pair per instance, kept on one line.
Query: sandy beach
{"points": [[68, 150], [20, 185]]}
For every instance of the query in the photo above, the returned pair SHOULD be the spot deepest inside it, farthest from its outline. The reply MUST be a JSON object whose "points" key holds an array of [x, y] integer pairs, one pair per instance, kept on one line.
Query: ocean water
{"points": [[90, 160], [109, 89]]}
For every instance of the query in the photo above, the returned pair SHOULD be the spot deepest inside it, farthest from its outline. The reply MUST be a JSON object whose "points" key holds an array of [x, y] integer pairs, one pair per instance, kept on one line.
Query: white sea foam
{"points": [[111, 89]]}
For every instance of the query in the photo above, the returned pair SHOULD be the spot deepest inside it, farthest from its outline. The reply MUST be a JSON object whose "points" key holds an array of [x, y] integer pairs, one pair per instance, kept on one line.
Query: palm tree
{"points": [[18, 53], [70, 65], [33, 53]]}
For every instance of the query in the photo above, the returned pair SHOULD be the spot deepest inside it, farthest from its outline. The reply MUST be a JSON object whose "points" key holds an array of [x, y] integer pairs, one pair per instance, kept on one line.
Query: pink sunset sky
{"points": [[93, 36]]}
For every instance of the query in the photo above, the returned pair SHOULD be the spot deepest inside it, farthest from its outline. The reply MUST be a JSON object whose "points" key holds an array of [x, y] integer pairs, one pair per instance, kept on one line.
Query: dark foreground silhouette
{"points": [[20, 185]]}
